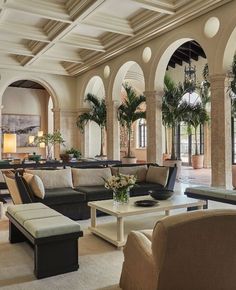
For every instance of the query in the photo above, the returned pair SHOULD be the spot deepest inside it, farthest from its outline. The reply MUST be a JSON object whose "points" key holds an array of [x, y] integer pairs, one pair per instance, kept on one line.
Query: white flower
{"points": [[120, 181]]}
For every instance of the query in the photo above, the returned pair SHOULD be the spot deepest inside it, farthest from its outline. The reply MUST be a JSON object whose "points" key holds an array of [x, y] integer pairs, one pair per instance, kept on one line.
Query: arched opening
{"points": [[28, 120], [131, 73], [184, 62], [92, 131]]}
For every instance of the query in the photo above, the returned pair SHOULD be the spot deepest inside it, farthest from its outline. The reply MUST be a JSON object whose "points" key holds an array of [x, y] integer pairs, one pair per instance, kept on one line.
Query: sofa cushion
{"points": [[61, 196], [139, 171], [35, 183], [90, 176], [157, 174], [95, 192], [54, 178]]}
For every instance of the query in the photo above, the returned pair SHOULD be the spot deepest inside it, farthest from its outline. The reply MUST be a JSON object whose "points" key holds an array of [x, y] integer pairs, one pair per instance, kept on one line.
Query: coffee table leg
{"points": [[93, 217], [120, 229]]}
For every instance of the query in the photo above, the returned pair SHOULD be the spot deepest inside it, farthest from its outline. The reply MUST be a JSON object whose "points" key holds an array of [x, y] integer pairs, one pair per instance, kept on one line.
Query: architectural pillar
{"points": [[83, 138], [154, 126], [113, 131], [69, 129], [207, 145], [221, 160], [56, 126]]}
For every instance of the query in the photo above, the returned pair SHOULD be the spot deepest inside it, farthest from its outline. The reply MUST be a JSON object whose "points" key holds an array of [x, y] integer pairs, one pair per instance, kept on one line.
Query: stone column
{"points": [[154, 126], [207, 145], [56, 126], [220, 132], [113, 131], [83, 138]]}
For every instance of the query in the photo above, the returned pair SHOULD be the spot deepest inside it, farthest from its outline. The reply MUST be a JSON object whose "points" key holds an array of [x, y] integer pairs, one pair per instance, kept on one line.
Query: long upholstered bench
{"points": [[212, 193], [54, 237]]}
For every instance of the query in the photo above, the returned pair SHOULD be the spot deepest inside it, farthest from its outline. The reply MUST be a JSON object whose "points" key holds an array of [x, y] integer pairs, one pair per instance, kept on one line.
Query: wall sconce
{"points": [[9, 143], [40, 134]]}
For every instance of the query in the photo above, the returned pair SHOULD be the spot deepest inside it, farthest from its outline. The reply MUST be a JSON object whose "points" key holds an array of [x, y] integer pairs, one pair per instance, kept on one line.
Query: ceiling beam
{"points": [[85, 9], [84, 42], [110, 24], [44, 9], [24, 31], [156, 6], [59, 57], [15, 48]]}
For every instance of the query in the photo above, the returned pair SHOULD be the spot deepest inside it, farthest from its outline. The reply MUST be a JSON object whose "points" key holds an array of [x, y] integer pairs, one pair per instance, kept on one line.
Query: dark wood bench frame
{"points": [[207, 197], [52, 255]]}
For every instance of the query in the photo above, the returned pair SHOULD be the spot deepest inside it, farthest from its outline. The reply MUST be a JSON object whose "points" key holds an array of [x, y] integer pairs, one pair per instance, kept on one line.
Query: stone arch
{"points": [[38, 80], [92, 132], [121, 74]]}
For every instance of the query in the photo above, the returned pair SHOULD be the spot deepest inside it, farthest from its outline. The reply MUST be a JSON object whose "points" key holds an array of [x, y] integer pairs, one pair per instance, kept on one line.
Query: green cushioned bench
{"points": [[54, 237], [212, 193]]}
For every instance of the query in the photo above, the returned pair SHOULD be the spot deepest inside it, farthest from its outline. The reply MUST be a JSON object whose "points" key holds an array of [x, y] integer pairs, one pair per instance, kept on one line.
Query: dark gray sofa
{"points": [[73, 202]]}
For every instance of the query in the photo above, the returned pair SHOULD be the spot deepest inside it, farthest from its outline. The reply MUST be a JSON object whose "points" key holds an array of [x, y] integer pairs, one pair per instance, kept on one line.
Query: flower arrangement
{"points": [[120, 184]]}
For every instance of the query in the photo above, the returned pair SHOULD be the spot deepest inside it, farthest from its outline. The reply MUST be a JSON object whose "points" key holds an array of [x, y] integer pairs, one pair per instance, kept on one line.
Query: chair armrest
{"points": [[139, 270]]}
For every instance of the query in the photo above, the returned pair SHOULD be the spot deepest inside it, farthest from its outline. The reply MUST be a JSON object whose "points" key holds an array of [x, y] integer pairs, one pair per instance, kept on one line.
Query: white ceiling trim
{"points": [[110, 24], [156, 6]]}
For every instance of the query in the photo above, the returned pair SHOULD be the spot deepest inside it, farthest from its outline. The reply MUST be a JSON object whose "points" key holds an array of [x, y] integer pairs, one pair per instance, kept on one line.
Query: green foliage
{"points": [[97, 114], [50, 139], [76, 152], [129, 111]]}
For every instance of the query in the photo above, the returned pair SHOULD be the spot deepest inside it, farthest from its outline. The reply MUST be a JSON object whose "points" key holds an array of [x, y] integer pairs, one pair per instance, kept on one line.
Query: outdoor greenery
{"points": [[129, 112], [97, 114], [173, 108]]}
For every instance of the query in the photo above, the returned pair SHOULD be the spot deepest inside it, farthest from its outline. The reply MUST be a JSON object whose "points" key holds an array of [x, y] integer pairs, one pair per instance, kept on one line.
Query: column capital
{"points": [[219, 80], [112, 103]]}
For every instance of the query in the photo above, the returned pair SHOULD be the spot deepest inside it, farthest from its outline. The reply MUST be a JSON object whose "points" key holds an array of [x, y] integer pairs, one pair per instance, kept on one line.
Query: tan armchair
{"points": [[189, 251]]}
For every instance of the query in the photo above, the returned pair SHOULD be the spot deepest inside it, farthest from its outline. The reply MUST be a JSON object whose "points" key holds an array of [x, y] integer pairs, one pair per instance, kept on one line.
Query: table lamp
{"points": [[9, 144]]}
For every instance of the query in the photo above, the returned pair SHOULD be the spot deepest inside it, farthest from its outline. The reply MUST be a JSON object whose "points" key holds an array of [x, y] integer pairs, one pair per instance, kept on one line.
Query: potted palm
{"points": [[49, 139], [97, 114], [196, 116], [129, 112]]}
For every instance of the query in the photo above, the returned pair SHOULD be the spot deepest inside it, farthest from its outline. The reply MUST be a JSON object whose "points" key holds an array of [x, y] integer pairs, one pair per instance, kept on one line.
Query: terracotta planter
{"points": [[172, 163], [197, 161], [129, 160]]}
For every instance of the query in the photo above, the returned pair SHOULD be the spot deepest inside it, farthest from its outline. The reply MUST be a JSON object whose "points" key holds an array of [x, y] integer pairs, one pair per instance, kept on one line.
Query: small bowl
{"points": [[161, 194]]}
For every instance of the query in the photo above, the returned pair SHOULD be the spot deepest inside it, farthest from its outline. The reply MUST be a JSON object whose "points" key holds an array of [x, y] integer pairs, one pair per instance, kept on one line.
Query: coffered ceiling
{"points": [[68, 37]]}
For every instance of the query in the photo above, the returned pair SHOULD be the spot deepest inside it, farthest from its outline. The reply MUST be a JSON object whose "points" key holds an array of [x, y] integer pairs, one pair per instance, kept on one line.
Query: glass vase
{"points": [[121, 196]]}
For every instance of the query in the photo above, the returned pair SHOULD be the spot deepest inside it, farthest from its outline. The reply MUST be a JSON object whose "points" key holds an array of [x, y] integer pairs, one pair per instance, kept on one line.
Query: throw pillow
{"points": [[35, 183], [54, 178], [90, 176], [158, 174], [139, 171]]}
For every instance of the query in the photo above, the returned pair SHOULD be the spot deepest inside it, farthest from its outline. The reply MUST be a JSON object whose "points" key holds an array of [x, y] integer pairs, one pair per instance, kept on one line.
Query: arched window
{"points": [[142, 133]]}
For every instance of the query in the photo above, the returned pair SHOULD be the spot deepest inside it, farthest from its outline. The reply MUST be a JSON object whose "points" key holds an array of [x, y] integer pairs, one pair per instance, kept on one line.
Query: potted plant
{"points": [[196, 116], [173, 111], [97, 114], [129, 112], [49, 139]]}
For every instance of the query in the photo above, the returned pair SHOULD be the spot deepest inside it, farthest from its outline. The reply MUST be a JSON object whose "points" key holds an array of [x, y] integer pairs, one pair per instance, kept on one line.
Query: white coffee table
{"points": [[142, 217]]}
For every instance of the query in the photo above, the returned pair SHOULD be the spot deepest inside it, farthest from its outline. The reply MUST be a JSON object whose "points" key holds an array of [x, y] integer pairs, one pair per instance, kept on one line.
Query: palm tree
{"points": [[129, 112], [173, 108], [97, 114], [195, 116]]}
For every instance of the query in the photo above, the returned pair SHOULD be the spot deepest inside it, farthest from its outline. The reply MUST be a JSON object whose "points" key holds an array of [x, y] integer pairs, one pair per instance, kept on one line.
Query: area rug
{"points": [[100, 266]]}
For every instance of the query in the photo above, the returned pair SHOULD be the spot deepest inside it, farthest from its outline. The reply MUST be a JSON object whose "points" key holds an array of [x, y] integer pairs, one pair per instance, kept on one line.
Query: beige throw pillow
{"points": [[90, 176], [139, 171], [36, 184], [54, 178], [156, 174]]}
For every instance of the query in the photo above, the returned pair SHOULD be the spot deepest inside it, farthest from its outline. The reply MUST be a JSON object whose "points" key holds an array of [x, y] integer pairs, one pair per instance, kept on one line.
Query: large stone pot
{"points": [[197, 161], [129, 160]]}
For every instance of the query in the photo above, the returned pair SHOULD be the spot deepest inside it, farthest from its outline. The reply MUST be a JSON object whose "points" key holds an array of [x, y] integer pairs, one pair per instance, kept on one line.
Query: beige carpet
{"points": [[100, 266]]}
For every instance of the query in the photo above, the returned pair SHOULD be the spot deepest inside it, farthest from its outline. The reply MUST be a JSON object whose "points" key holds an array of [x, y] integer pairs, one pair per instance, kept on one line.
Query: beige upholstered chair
{"points": [[190, 251]]}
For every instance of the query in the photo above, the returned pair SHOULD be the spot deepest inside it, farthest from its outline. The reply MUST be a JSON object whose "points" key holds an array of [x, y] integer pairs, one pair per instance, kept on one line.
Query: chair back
{"points": [[196, 251], [12, 188]]}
